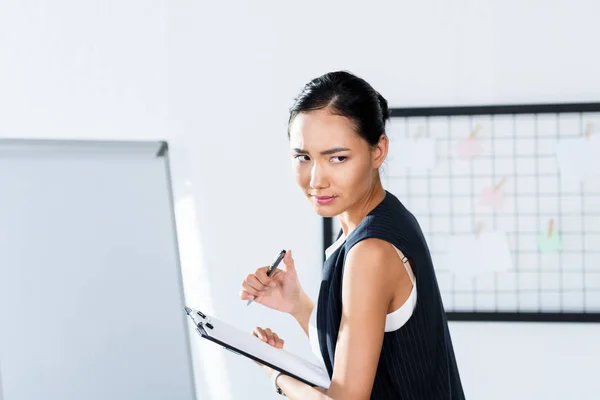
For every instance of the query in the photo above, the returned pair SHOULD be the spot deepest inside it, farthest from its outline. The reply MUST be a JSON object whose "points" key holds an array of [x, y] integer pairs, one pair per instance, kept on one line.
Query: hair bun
{"points": [[383, 104], [346, 95]]}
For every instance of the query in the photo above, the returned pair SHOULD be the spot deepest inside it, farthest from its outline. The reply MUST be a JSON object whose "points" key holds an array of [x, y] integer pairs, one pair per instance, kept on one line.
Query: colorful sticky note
{"points": [[549, 244], [492, 198], [469, 148]]}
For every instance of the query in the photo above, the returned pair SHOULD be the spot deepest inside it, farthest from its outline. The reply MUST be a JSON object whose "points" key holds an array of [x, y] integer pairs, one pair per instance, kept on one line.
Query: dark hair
{"points": [[349, 96]]}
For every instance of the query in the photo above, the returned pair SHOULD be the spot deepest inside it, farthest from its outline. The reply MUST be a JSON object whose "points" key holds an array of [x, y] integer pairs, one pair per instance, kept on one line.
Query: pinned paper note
{"points": [[493, 197], [579, 158], [470, 147], [416, 153], [549, 241], [476, 254]]}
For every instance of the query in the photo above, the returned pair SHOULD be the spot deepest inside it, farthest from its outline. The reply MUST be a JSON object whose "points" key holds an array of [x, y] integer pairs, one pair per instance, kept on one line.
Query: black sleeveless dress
{"points": [[417, 361]]}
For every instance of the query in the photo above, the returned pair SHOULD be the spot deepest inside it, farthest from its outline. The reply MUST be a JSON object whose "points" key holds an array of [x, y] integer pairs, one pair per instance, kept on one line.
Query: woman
{"points": [[376, 340]]}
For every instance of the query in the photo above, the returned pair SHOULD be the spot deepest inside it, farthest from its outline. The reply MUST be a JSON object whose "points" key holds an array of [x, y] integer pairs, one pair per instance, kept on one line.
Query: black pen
{"points": [[272, 269]]}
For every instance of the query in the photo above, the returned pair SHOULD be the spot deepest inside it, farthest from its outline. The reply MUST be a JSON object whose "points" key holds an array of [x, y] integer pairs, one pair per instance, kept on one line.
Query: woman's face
{"points": [[334, 166]]}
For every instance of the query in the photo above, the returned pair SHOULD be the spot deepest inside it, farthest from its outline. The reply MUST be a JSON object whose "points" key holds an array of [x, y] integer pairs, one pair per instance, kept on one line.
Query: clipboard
{"points": [[249, 346]]}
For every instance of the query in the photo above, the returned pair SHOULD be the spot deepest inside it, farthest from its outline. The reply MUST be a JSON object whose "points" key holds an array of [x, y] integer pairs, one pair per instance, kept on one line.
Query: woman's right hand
{"points": [[281, 291]]}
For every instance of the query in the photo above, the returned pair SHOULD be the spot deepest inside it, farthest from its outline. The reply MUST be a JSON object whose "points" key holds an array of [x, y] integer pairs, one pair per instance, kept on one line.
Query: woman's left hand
{"points": [[271, 338]]}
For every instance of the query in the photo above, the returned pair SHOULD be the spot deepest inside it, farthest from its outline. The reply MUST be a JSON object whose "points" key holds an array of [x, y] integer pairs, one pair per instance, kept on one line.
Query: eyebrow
{"points": [[324, 152]]}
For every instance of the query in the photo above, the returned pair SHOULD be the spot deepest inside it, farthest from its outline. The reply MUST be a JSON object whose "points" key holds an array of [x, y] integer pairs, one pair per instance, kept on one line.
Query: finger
{"points": [[251, 289], [253, 281], [245, 295], [261, 275], [288, 261], [278, 341], [260, 333], [274, 276], [270, 338]]}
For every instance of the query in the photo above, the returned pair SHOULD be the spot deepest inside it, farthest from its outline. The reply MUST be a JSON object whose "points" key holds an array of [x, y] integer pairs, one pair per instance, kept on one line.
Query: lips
{"points": [[322, 200]]}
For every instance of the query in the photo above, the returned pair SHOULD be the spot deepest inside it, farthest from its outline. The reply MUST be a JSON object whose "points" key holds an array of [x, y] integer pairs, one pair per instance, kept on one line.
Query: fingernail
{"points": [[271, 341]]}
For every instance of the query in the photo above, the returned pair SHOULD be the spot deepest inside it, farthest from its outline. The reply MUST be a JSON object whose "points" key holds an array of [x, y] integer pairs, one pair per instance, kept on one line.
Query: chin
{"points": [[326, 212]]}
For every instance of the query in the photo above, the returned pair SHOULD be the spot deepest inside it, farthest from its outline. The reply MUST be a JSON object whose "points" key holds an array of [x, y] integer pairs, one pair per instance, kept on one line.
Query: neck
{"points": [[350, 218]]}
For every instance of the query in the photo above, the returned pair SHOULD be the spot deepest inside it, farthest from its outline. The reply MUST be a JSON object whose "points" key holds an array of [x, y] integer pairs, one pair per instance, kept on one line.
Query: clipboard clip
{"points": [[192, 313], [200, 324]]}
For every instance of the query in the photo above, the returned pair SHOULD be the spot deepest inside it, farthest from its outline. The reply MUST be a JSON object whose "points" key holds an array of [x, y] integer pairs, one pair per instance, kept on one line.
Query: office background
{"points": [[216, 80]]}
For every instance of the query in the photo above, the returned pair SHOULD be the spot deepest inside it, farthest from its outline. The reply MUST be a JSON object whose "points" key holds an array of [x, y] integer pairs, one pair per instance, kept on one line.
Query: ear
{"points": [[379, 151]]}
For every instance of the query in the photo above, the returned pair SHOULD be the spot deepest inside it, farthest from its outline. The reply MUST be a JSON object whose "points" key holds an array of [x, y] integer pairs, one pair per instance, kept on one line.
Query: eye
{"points": [[340, 159], [300, 158]]}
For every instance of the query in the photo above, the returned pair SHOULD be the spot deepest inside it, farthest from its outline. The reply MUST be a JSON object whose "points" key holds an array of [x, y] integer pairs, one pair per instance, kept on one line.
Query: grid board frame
{"points": [[578, 111]]}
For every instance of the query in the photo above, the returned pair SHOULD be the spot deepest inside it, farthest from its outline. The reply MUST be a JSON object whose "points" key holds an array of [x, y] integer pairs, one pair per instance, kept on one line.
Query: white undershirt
{"points": [[393, 321]]}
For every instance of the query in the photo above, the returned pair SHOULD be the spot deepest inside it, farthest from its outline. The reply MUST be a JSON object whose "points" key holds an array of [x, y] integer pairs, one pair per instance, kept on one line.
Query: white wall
{"points": [[216, 79]]}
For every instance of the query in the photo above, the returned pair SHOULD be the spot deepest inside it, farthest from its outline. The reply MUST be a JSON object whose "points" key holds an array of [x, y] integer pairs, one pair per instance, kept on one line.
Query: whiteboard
{"points": [[91, 304], [518, 153]]}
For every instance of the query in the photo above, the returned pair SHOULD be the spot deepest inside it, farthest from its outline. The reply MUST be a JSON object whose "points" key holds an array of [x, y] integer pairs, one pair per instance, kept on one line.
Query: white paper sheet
{"points": [[579, 158], [248, 343], [414, 154], [469, 255]]}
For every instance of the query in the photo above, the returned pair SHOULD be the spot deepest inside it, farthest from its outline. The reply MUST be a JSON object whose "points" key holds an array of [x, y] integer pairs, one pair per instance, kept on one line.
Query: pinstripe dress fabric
{"points": [[417, 361]]}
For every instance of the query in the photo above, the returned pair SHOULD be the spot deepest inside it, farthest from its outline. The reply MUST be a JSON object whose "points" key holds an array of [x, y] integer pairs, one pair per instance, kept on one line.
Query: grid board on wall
{"points": [[519, 153]]}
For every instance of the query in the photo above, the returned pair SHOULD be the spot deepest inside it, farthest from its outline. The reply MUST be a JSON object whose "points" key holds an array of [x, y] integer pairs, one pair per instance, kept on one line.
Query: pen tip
{"points": [[188, 310]]}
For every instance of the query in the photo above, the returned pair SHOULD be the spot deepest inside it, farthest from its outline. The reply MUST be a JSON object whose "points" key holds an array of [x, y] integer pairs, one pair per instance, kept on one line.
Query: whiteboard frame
{"points": [[550, 108]]}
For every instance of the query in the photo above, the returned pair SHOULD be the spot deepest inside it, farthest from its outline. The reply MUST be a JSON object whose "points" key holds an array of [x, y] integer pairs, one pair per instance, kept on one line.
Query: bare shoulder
{"points": [[368, 262], [376, 255]]}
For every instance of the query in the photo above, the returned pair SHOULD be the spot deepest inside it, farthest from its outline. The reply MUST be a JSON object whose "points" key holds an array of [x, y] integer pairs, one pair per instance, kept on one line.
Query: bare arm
{"points": [[372, 273], [296, 390], [302, 312]]}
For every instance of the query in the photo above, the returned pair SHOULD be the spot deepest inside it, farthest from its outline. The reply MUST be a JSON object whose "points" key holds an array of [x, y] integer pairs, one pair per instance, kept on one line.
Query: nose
{"points": [[318, 176]]}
